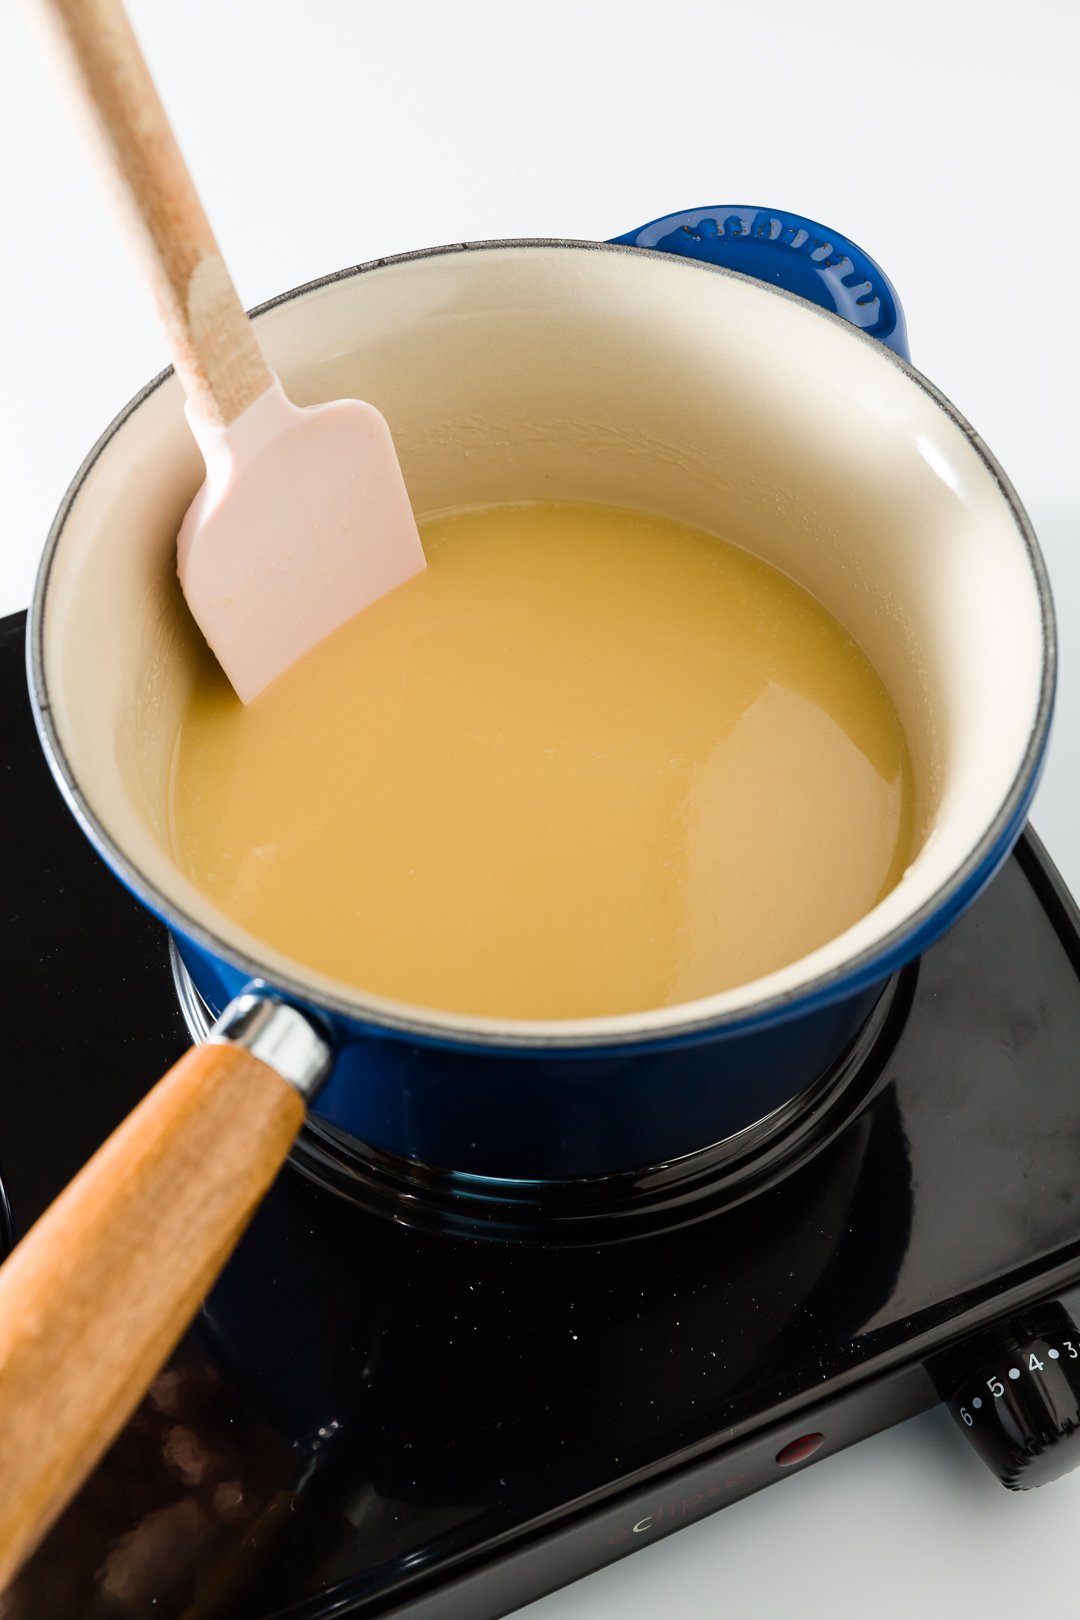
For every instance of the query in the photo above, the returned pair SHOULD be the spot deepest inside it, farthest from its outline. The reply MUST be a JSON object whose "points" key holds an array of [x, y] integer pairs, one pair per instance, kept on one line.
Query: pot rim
{"points": [[682, 1022]]}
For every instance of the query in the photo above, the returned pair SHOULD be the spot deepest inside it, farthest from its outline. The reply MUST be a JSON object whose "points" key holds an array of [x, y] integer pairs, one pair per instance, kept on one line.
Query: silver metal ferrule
{"points": [[278, 1036]]}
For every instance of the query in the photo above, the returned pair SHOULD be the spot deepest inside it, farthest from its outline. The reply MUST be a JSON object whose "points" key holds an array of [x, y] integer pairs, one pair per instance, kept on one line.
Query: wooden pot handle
{"points": [[213, 345], [95, 1296]]}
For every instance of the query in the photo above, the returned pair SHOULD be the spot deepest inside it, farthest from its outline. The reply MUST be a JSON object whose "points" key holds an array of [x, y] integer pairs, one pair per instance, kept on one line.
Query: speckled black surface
{"points": [[374, 1420]]}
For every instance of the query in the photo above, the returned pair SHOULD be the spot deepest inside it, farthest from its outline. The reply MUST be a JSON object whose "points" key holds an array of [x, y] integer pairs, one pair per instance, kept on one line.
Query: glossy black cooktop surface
{"points": [[365, 1414]]}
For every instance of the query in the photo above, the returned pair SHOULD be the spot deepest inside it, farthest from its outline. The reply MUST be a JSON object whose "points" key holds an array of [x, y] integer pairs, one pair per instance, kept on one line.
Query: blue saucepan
{"points": [[739, 368]]}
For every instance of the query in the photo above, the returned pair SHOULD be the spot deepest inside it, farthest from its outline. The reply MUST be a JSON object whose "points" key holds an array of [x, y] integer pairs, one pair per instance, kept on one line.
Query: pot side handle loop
{"points": [[95, 1296], [786, 251]]}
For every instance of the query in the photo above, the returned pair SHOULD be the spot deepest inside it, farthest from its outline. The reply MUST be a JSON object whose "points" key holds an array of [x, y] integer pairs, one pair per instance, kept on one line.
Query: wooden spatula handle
{"points": [[95, 1296], [213, 346]]}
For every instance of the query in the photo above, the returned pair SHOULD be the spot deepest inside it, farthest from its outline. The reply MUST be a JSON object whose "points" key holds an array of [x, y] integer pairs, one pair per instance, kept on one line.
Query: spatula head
{"points": [[302, 522]]}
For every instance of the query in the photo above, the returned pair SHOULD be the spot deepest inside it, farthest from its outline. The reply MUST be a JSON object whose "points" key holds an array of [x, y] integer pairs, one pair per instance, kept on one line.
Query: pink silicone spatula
{"points": [[303, 518]]}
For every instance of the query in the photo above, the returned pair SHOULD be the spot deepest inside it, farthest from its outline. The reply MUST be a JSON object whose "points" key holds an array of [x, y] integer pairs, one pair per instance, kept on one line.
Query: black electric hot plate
{"points": [[384, 1411]]}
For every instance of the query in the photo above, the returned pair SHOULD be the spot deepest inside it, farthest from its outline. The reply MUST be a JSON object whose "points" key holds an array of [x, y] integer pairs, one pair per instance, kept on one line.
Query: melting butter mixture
{"points": [[589, 762]]}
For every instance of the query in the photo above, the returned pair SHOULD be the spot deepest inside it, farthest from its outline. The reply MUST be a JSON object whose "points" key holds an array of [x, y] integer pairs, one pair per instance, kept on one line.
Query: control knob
{"points": [[1014, 1389]]}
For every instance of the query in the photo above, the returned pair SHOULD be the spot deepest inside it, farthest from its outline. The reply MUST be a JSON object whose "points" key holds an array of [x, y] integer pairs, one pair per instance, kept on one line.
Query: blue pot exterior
{"points": [[527, 1114], [523, 1112]]}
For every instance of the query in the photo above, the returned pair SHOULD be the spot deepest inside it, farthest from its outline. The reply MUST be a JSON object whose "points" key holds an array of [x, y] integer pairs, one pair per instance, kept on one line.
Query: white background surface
{"points": [[938, 134]]}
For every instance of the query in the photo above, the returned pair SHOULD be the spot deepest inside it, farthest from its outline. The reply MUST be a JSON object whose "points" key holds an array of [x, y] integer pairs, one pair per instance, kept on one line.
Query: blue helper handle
{"points": [[790, 252]]}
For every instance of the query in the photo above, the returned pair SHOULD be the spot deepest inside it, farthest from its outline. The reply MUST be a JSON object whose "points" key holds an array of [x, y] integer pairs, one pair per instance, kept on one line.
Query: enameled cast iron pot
{"points": [[740, 369]]}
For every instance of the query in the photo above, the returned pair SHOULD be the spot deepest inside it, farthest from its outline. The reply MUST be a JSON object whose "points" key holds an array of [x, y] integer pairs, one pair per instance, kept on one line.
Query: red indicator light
{"points": [[799, 1450]]}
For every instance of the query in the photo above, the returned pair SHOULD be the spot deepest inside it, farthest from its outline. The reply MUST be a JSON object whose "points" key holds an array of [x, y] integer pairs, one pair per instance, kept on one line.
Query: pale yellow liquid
{"points": [[589, 762]]}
